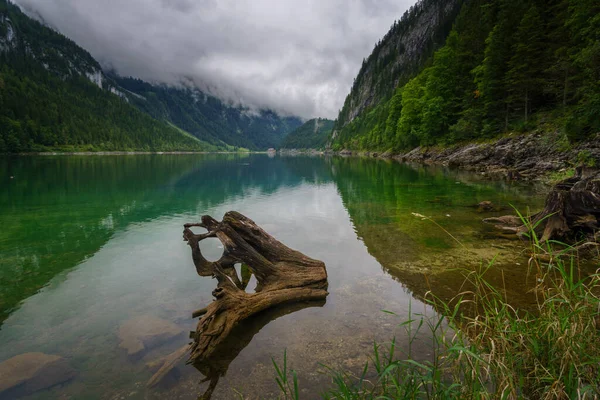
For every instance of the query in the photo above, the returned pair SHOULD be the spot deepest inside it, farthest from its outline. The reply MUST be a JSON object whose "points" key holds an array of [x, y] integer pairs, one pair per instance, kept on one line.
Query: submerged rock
{"points": [[143, 332], [485, 206], [27, 373]]}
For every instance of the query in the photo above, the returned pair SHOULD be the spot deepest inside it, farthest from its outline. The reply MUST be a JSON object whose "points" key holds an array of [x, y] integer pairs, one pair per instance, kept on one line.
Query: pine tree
{"points": [[489, 76], [560, 71], [523, 79], [442, 92], [584, 24]]}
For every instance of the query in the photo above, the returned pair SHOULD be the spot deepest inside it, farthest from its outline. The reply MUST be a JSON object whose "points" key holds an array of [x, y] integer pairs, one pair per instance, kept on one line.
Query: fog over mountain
{"points": [[294, 57]]}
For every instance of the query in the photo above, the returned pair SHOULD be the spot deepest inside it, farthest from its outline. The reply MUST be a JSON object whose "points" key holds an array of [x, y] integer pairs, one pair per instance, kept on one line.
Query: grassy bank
{"points": [[482, 347]]}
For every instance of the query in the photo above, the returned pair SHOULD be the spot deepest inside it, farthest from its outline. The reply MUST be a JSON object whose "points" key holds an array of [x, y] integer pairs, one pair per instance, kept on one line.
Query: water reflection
{"points": [[58, 211], [102, 237], [218, 364], [438, 252]]}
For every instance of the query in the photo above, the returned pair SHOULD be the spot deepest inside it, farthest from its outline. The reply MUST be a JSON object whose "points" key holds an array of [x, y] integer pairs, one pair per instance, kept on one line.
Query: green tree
{"points": [[442, 92], [524, 76], [409, 132], [391, 123], [584, 25], [489, 77]]}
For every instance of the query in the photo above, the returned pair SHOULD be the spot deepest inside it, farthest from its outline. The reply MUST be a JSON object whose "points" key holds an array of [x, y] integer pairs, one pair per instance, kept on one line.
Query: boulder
{"points": [[141, 333], [30, 372]]}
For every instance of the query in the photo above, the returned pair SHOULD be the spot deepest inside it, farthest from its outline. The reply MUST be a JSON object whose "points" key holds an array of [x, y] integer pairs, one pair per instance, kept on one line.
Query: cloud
{"points": [[296, 57]]}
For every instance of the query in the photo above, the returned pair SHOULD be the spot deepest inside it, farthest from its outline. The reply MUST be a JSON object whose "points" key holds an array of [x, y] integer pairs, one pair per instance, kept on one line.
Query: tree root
{"points": [[571, 212], [284, 275]]}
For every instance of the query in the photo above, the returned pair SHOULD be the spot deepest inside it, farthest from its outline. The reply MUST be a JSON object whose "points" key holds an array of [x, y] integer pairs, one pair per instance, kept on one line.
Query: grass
{"points": [[558, 176], [484, 348]]}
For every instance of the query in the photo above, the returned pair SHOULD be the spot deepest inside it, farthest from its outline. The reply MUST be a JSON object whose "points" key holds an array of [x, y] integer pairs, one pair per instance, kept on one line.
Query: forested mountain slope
{"points": [[505, 66], [53, 96], [400, 55], [312, 135], [207, 117]]}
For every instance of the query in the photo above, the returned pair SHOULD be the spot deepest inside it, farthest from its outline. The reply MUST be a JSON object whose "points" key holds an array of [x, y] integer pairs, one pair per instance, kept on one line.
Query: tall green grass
{"points": [[484, 348]]}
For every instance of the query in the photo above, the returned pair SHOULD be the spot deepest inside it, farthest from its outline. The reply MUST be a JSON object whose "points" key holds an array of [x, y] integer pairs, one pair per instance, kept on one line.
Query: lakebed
{"points": [[89, 244]]}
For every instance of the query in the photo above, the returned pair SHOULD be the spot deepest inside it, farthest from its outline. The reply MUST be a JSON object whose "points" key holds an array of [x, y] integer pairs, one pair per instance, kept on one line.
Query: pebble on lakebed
{"points": [[143, 332], [30, 372]]}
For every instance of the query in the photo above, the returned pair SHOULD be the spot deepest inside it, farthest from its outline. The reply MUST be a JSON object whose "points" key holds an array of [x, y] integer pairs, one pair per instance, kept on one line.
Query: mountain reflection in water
{"points": [[88, 243]]}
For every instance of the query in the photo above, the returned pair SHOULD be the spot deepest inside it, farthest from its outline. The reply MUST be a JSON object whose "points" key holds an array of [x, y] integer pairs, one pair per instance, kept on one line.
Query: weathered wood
{"points": [[284, 275], [217, 365], [165, 365], [571, 211]]}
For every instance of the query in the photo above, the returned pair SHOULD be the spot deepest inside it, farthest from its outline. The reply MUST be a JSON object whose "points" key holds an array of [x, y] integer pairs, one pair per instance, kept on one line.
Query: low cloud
{"points": [[296, 57]]}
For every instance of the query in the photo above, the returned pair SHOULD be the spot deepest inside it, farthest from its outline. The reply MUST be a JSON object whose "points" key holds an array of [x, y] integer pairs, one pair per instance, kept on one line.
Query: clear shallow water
{"points": [[88, 243]]}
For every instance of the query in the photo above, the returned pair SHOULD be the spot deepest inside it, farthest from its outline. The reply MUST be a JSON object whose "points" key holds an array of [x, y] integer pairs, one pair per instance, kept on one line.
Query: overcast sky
{"points": [[295, 56]]}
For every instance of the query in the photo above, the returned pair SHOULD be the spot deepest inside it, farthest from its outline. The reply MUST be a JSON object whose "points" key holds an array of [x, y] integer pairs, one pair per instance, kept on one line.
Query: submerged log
{"points": [[571, 211], [284, 275]]}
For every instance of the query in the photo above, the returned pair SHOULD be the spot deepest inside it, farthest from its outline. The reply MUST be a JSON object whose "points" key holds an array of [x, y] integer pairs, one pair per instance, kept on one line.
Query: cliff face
{"points": [[400, 55], [57, 53]]}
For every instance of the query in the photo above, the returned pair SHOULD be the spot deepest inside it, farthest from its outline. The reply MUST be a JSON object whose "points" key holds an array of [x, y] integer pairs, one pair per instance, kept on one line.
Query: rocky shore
{"points": [[516, 157]]}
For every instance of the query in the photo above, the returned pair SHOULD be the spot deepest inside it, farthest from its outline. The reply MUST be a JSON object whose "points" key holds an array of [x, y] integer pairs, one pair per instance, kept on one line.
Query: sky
{"points": [[295, 57]]}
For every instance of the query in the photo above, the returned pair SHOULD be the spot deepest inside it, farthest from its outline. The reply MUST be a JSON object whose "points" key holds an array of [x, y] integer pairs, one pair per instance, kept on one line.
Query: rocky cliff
{"points": [[400, 55]]}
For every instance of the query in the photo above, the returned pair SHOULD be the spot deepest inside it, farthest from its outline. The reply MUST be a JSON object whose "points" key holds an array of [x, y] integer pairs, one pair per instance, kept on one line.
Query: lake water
{"points": [[88, 243]]}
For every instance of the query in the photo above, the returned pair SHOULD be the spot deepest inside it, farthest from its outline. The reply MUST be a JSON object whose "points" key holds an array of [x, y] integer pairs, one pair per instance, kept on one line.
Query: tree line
{"points": [[313, 134], [505, 66], [48, 103]]}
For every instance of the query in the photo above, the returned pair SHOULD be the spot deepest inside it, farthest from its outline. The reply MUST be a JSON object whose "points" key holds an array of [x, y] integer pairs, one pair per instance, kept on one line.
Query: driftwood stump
{"points": [[284, 275], [571, 212]]}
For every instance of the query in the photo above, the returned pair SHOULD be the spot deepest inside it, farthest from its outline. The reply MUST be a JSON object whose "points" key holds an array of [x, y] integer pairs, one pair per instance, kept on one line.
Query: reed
{"points": [[484, 348]]}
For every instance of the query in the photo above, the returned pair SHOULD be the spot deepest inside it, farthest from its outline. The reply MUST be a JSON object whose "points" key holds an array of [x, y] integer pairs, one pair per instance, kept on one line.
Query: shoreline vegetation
{"points": [[483, 347], [531, 156], [124, 153], [545, 156]]}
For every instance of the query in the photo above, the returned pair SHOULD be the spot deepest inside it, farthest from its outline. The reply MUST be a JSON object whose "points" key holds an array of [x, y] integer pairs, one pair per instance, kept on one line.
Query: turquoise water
{"points": [[90, 242]]}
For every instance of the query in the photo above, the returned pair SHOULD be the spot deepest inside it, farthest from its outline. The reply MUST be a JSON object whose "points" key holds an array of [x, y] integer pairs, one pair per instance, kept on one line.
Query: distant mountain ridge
{"points": [[206, 117], [311, 135], [55, 96]]}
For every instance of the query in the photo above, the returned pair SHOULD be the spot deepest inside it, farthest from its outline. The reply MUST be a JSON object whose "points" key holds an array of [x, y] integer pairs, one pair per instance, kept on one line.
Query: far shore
{"points": [[124, 153]]}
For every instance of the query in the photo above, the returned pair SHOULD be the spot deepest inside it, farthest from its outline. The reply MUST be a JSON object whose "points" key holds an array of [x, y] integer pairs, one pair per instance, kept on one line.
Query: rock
{"points": [[507, 220], [143, 332], [485, 206], [523, 157], [30, 372], [513, 175]]}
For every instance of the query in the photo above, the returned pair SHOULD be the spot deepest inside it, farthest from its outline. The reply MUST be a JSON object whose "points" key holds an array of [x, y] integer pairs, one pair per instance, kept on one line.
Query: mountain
{"points": [[400, 55], [206, 117], [311, 135], [454, 71], [54, 96]]}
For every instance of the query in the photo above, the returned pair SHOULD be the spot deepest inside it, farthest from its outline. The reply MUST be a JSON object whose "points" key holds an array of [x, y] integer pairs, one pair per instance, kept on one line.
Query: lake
{"points": [[91, 242]]}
